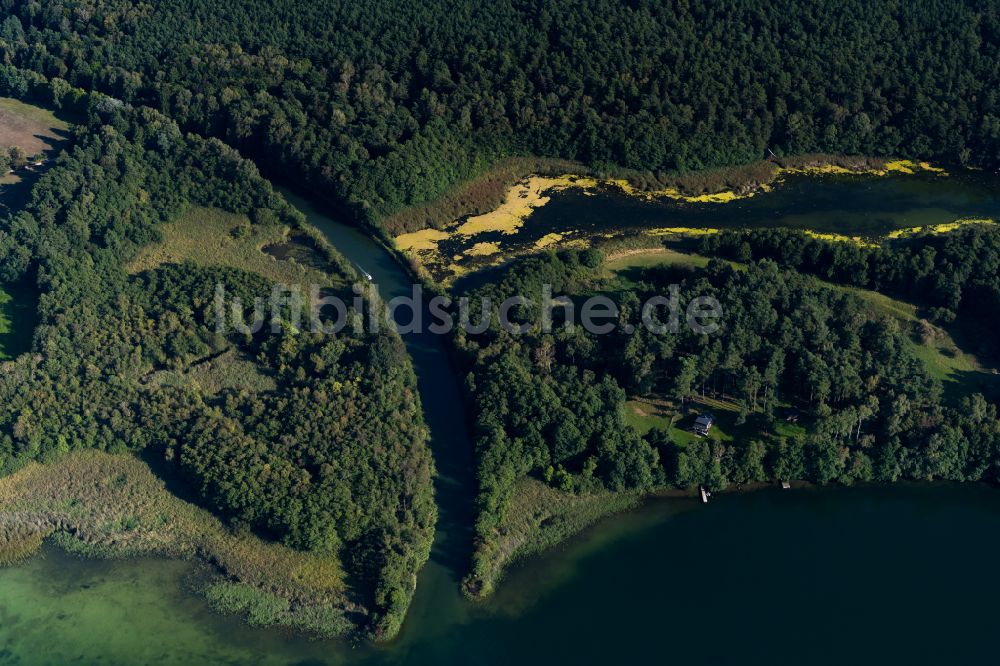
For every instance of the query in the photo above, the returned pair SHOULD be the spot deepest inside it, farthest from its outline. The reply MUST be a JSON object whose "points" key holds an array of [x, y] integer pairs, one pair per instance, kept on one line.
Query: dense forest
{"points": [[954, 275], [551, 405], [383, 105], [380, 106], [319, 444]]}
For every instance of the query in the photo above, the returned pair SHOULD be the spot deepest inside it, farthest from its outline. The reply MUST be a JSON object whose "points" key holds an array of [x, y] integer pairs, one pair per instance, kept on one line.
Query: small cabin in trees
{"points": [[703, 424]]}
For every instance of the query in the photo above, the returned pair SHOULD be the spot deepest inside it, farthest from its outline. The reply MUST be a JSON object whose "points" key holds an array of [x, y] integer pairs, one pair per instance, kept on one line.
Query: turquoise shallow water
{"points": [[863, 575]]}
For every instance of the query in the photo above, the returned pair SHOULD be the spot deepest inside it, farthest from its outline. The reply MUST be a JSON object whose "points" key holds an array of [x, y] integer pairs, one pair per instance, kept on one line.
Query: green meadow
{"points": [[17, 320]]}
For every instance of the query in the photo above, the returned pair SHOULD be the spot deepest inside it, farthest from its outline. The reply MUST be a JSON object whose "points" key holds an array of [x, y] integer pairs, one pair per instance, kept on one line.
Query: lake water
{"points": [[873, 576], [861, 575]]}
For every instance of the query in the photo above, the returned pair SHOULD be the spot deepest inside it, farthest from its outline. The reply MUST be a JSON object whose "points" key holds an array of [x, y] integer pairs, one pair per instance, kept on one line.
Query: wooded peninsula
{"points": [[301, 465]]}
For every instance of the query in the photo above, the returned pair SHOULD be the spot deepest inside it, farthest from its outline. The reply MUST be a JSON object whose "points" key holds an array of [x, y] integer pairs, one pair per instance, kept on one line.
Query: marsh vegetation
{"points": [[314, 446], [102, 505], [416, 121], [867, 203]]}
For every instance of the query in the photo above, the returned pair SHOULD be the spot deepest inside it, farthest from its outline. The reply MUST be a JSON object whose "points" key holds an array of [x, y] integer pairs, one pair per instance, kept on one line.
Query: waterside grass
{"points": [[211, 237], [537, 518], [104, 505], [483, 233]]}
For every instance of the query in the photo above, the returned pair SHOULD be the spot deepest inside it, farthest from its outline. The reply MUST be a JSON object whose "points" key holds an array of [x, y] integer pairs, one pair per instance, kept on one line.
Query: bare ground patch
{"points": [[30, 128]]}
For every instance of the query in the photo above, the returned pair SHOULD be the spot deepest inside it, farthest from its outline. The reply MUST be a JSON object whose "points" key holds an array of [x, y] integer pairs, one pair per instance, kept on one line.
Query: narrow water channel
{"points": [[438, 592], [850, 205], [857, 575]]}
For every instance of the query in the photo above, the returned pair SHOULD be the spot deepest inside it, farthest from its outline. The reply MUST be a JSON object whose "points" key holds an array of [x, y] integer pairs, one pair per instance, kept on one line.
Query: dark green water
{"points": [[822, 576], [849, 205], [873, 576]]}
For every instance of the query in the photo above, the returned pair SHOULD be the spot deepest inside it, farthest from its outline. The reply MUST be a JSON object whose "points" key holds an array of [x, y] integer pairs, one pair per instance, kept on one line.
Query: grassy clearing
{"points": [[650, 257], [945, 361], [17, 319], [647, 412], [107, 505], [960, 372], [21, 122], [906, 312], [30, 128], [538, 518], [229, 370], [623, 269], [211, 237]]}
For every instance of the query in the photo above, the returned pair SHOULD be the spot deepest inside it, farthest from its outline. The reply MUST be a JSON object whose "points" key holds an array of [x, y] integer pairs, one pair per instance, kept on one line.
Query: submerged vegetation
{"points": [[323, 451], [114, 506], [516, 227], [305, 457]]}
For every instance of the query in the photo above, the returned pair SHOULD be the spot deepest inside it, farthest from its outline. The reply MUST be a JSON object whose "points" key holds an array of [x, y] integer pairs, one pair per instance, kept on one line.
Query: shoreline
{"points": [[421, 248], [617, 504], [614, 504], [112, 506], [485, 192]]}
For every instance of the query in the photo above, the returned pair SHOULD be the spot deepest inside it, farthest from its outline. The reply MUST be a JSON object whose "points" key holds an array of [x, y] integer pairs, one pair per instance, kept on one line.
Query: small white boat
{"points": [[704, 494]]}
